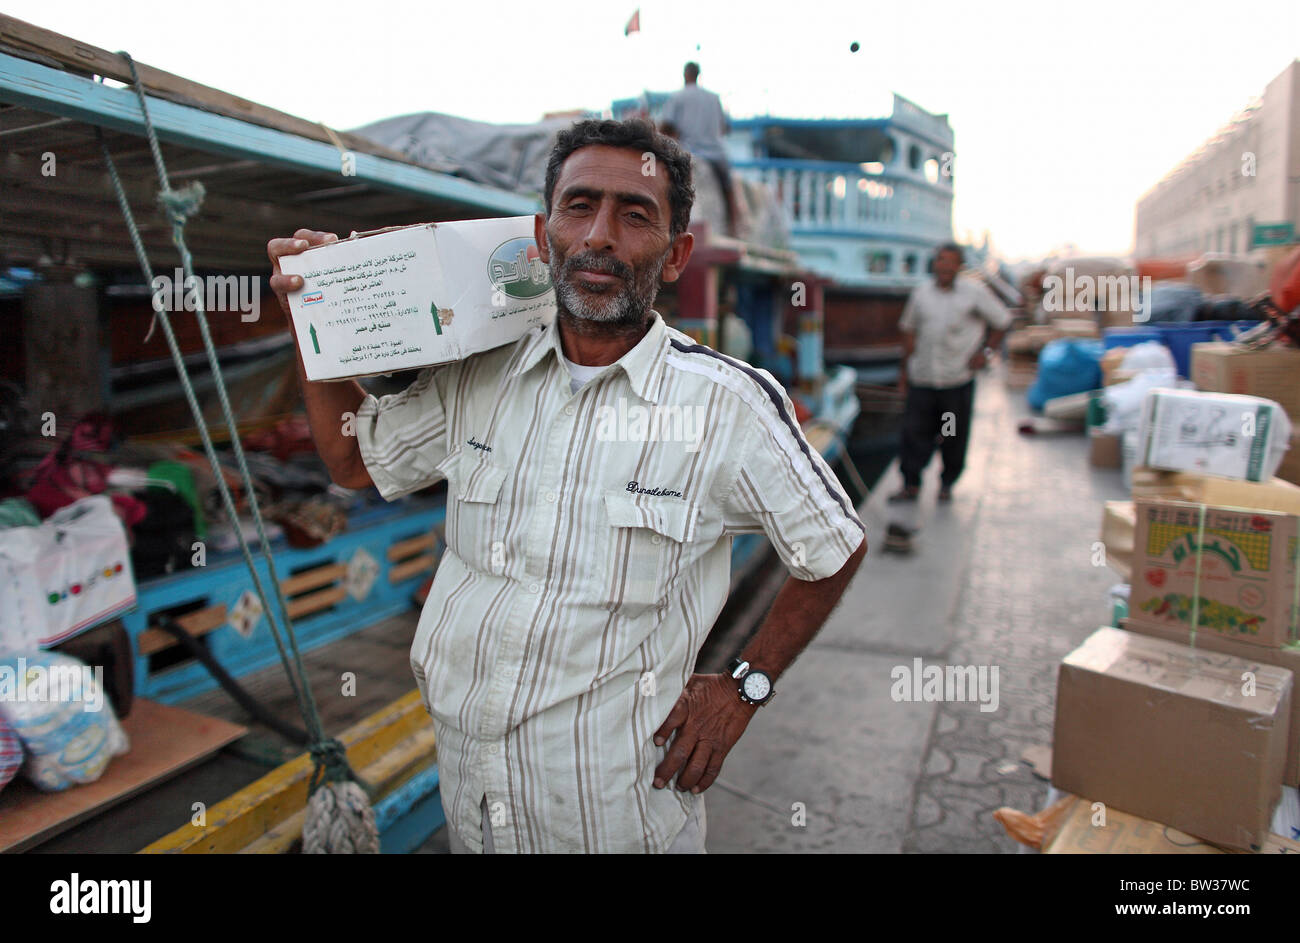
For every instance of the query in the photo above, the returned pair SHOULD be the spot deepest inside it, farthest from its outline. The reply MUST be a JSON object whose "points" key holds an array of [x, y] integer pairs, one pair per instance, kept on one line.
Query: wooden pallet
{"points": [[165, 741]]}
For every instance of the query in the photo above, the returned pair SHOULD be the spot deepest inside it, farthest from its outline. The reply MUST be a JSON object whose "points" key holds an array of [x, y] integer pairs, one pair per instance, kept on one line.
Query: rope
{"points": [[1196, 580], [328, 755]]}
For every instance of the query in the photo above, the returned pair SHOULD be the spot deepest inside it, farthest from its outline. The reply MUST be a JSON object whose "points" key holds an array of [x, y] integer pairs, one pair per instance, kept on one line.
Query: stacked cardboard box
{"points": [[1224, 434], [1272, 373], [1117, 524], [1170, 733], [1215, 570], [1239, 564], [1023, 347]]}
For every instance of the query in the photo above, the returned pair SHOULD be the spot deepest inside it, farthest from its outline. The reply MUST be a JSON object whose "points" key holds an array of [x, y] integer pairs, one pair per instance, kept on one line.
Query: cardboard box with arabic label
{"points": [[1231, 571], [415, 296]]}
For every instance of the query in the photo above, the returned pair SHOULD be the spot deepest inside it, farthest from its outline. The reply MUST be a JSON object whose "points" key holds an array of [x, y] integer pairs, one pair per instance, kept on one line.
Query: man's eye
{"points": [[578, 206], [635, 215]]}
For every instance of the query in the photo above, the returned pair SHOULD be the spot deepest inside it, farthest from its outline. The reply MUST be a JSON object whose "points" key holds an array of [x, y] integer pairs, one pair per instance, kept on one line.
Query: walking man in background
{"points": [[695, 117], [950, 328]]}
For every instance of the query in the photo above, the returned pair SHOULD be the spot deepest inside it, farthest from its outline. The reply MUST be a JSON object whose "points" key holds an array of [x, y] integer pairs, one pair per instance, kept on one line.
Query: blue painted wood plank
{"points": [[409, 815], [53, 92]]}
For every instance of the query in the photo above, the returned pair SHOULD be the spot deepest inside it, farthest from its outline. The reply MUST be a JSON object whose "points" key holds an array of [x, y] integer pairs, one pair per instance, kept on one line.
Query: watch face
{"points": [[756, 685]]}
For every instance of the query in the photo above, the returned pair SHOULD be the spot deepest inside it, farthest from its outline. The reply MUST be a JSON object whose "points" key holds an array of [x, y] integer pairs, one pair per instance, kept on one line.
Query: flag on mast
{"points": [[634, 24]]}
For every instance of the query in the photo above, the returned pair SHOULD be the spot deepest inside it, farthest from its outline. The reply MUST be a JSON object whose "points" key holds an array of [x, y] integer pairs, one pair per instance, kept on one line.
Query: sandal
{"points": [[904, 494]]}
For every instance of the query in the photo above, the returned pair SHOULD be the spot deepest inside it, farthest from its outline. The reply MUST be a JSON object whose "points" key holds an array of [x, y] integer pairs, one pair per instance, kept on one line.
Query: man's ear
{"points": [[678, 256], [539, 236]]}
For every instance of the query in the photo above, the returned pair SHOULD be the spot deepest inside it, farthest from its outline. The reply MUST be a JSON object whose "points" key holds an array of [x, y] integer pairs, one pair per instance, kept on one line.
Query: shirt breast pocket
{"points": [[649, 541], [475, 513]]}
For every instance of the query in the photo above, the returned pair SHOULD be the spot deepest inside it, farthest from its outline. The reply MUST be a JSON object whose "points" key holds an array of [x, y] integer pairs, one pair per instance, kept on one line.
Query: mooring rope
{"points": [[328, 755]]}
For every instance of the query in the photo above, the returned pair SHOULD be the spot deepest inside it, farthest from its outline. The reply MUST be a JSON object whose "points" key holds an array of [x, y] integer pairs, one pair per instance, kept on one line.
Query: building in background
{"points": [[1239, 192]]}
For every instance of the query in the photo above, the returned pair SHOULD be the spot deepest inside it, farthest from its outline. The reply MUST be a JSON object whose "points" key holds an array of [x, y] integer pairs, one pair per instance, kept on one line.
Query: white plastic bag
{"points": [[64, 576], [57, 707]]}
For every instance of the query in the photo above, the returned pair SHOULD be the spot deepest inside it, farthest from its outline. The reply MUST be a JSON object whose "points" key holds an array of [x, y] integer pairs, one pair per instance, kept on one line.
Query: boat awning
{"points": [[266, 173]]}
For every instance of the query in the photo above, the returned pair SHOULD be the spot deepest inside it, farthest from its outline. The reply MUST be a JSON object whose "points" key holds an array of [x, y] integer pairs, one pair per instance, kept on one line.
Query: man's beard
{"points": [[628, 308]]}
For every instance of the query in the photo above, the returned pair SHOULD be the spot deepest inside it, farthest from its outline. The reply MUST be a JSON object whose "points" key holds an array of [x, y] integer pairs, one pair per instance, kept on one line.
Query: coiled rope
{"points": [[339, 817]]}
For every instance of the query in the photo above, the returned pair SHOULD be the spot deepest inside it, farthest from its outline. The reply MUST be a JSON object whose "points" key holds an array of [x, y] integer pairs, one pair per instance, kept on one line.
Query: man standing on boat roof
{"points": [[951, 326], [695, 117], [585, 563]]}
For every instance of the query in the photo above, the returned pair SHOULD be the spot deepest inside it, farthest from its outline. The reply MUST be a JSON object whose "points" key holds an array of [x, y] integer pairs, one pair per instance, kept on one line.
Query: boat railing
{"points": [[822, 196]]}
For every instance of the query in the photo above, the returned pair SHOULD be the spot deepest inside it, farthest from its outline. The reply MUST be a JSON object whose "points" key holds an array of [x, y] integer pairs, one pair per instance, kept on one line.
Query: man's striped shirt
{"points": [[588, 555]]}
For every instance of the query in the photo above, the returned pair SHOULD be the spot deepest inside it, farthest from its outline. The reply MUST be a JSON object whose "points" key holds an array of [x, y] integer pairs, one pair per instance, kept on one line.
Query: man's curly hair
{"points": [[634, 134]]}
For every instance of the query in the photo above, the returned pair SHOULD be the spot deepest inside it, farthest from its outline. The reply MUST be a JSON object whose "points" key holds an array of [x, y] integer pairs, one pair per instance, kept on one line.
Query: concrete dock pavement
{"points": [[1001, 577]]}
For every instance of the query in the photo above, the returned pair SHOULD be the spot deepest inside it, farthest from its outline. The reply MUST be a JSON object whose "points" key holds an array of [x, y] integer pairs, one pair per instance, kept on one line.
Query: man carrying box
{"points": [[588, 558]]}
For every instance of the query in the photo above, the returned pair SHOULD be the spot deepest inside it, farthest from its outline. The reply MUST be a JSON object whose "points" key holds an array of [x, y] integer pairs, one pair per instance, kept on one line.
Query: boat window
{"points": [[878, 262], [828, 142], [909, 263], [932, 170], [914, 157]]}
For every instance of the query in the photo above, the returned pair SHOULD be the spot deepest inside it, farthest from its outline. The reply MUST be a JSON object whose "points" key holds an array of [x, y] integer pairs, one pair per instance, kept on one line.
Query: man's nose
{"points": [[600, 236]]}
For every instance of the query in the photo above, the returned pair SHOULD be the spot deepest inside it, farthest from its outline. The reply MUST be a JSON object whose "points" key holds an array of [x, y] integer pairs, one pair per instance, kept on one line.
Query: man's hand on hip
{"points": [[709, 718]]}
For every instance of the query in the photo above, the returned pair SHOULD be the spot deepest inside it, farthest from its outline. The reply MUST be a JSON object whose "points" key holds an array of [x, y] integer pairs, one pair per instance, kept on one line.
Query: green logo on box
{"points": [[516, 269]]}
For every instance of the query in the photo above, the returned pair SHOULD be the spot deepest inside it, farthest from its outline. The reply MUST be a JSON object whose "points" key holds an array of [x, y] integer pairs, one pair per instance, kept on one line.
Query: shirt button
{"points": [[656, 539], [534, 588], [493, 749], [550, 496], [569, 410]]}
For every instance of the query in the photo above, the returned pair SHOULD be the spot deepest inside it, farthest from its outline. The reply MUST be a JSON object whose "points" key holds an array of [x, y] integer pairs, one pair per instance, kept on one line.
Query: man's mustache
{"points": [[595, 262]]}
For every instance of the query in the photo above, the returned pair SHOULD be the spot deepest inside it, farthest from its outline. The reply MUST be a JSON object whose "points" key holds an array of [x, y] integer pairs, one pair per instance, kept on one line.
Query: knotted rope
{"points": [[339, 817]]}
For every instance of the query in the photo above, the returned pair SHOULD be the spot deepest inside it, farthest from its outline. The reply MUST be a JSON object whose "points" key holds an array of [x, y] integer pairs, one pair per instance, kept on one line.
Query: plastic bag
{"points": [[1066, 366], [1149, 355], [11, 753], [57, 707]]}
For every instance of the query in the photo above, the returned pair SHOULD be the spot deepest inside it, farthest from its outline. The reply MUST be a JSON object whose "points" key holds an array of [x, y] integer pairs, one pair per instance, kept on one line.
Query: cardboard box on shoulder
{"points": [[1226, 571], [415, 296], [1273, 373], [1288, 658], [1165, 732]]}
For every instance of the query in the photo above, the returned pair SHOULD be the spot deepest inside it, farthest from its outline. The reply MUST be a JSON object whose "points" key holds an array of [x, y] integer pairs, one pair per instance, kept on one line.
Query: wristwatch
{"points": [[755, 686]]}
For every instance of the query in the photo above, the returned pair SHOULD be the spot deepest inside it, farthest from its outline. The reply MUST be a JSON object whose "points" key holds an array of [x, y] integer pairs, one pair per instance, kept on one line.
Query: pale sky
{"points": [[1064, 114]]}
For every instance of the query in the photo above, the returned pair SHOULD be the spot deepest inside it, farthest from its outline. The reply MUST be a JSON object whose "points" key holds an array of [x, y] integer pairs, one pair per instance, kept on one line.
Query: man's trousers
{"points": [[936, 415]]}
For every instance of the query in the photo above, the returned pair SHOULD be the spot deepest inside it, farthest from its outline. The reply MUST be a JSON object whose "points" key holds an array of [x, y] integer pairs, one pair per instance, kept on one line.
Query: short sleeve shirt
{"points": [[949, 327], [588, 555]]}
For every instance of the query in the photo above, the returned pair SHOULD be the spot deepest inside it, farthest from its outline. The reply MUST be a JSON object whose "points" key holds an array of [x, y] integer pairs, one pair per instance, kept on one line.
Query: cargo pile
{"points": [[1183, 711]]}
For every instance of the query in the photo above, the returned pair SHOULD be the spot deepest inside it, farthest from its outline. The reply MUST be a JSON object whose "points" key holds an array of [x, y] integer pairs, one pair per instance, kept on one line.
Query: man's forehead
{"points": [[614, 170]]}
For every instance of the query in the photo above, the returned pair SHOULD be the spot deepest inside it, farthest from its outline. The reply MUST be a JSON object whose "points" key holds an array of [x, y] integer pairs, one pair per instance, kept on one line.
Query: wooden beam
{"points": [[404, 548], [310, 579], [403, 571], [315, 602], [197, 623], [63, 95], [92, 60], [249, 814], [385, 774]]}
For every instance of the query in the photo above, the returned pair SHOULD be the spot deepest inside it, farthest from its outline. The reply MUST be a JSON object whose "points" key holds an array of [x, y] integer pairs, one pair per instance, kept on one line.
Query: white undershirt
{"points": [[579, 374]]}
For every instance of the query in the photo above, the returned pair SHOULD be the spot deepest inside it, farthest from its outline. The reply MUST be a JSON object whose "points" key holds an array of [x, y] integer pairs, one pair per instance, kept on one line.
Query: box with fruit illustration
{"points": [[1240, 564]]}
